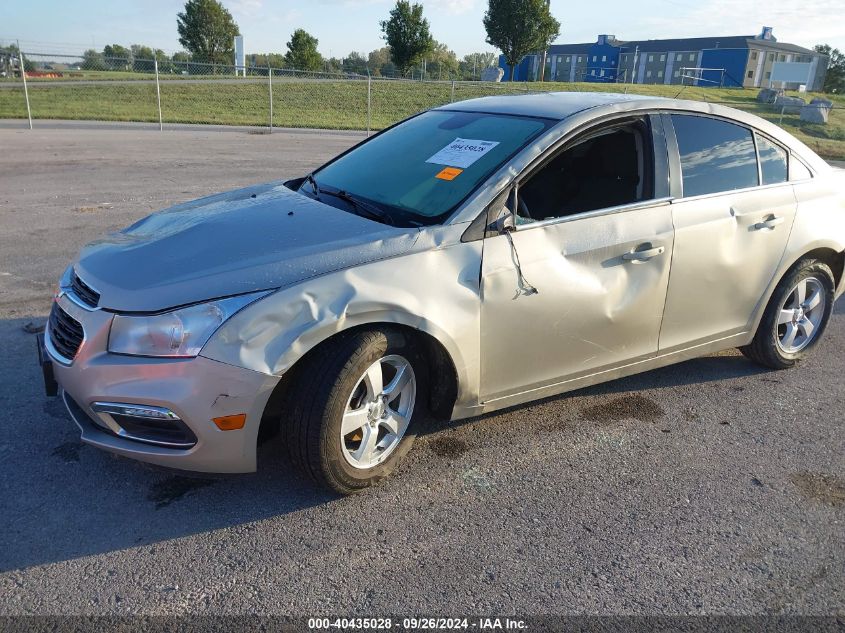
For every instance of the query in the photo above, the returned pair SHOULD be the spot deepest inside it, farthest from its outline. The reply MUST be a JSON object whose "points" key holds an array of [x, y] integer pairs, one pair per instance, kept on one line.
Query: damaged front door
{"points": [[579, 286]]}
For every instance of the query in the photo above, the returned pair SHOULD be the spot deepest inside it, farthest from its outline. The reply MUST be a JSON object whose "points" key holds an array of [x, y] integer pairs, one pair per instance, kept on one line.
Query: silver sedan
{"points": [[473, 257]]}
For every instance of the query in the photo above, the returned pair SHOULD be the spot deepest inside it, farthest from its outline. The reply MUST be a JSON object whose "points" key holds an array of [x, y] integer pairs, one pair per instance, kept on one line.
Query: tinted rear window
{"points": [[715, 155], [773, 161]]}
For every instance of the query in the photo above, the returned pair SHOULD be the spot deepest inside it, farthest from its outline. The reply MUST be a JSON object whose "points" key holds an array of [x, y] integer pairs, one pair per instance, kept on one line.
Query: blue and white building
{"points": [[730, 61]]}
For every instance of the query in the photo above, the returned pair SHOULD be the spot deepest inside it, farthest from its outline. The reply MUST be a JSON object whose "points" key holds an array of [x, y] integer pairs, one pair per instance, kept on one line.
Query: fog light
{"points": [[231, 422]]}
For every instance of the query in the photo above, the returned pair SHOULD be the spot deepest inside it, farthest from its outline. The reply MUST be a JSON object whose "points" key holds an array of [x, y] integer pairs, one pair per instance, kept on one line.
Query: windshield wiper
{"points": [[310, 180], [361, 207]]}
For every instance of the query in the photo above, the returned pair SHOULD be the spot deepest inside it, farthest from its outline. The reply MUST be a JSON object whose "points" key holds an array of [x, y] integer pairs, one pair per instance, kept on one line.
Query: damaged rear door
{"points": [[732, 216], [579, 285]]}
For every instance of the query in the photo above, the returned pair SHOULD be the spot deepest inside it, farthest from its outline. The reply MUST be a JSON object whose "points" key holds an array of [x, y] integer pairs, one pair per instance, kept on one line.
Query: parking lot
{"points": [[708, 487]]}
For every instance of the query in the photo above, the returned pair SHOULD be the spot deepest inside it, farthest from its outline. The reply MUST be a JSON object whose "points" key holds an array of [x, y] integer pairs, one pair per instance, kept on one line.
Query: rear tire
{"points": [[795, 318], [347, 383]]}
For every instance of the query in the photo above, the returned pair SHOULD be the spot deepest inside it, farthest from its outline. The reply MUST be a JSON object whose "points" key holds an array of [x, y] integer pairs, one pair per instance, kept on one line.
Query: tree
{"points": [[142, 59], [380, 62], [302, 51], [208, 31], [116, 57], [407, 34], [519, 27], [355, 63], [333, 65], [164, 63], [441, 61], [471, 65], [834, 80], [92, 60]]}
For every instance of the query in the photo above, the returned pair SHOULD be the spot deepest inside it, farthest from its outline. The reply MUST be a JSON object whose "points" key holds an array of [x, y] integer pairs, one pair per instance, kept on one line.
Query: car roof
{"points": [[563, 105], [548, 105]]}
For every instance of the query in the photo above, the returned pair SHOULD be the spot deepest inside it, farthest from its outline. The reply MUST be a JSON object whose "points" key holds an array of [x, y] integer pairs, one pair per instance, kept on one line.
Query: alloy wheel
{"points": [[378, 412], [800, 315]]}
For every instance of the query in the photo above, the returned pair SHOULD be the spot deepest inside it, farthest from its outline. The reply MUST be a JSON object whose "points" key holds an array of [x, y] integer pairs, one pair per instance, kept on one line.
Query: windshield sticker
{"points": [[462, 152], [449, 173]]}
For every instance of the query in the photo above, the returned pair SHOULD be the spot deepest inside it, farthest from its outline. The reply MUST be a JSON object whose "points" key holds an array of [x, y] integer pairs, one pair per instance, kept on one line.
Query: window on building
{"points": [[660, 73], [677, 73], [604, 58], [715, 155], [773, 161], [568, 58], [768, 75], [593, 72], [754, 55], [648, 73], [651, 58], [601, 73], [781, 58], [679, 57], [595, 58], [771, 57], [692, 57], [750, 74], [580, 59], [663, 58]]}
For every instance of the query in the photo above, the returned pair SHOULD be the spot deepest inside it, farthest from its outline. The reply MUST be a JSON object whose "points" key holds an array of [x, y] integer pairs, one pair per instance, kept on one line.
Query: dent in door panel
{"points": [[723, 261], [593, 309]]}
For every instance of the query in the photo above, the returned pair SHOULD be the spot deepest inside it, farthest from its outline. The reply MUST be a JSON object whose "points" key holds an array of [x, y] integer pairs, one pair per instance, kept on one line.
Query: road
{"points": [[708, 487]]}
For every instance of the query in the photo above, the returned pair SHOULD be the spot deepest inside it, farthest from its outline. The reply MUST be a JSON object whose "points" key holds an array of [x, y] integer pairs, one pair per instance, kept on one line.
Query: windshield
{"points": [[419, 171]]}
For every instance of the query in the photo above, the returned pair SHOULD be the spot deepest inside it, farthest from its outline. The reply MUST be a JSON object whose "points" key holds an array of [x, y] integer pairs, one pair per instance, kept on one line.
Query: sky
{"points": [[342, 26]]}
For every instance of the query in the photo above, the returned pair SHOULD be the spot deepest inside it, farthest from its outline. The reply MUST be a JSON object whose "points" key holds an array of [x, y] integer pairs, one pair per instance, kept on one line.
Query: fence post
{"points": [[25, 89], [369, 100], [270, 84], [158, 97], [453, 92]]}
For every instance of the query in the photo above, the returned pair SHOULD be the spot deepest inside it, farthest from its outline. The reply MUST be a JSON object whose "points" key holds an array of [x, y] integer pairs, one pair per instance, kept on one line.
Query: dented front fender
{"points": [[434, 290]]}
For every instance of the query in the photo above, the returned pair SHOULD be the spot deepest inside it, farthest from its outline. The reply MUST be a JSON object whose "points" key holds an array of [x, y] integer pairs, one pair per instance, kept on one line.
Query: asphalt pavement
{"points": [[712, 486]]}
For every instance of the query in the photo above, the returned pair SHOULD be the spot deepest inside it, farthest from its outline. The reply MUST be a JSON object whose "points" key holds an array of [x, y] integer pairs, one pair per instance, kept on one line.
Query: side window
{"points": [[773, 161], [604, 168], [798, 171], [715, 155]]}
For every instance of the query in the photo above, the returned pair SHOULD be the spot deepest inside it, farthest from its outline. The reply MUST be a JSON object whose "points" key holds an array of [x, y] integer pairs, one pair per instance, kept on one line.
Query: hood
{"points": [[258, 238]]}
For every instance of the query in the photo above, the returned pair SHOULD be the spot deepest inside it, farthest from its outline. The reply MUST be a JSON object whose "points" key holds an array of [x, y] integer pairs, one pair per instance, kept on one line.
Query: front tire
{"points": [[795, 318], [355, 405]]}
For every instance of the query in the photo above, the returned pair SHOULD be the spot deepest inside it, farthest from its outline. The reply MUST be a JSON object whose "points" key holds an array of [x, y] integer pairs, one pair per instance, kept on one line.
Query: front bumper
{"points": [[195, 390]]}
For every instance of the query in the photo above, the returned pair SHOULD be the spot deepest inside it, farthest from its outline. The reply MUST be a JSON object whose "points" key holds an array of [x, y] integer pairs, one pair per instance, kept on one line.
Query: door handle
{"points": [[771, 223], [643, 256]]}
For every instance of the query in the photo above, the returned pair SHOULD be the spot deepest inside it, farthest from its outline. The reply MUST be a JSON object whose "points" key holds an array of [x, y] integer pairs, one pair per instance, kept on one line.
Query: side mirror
{"points": [[506, 223]]}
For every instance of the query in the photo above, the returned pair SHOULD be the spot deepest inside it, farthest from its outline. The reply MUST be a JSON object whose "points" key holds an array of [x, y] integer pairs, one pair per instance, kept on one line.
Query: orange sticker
{"points": [[449, 173]]}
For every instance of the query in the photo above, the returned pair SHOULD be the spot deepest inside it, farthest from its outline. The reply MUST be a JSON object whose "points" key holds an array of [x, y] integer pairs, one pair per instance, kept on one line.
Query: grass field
{"points": [[333, 104]]}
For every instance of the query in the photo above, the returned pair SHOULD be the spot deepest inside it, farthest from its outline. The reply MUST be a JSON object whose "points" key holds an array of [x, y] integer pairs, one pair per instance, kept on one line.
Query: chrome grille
{"points": [[65, 332], [86, 293]]}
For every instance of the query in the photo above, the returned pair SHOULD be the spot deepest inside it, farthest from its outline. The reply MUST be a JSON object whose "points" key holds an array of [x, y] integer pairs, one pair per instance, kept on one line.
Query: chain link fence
{"points": [[167, 91]]}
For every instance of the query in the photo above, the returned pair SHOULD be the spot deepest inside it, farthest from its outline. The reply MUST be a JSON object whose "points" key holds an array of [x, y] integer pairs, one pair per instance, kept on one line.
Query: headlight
{"points": [[180, 333]]}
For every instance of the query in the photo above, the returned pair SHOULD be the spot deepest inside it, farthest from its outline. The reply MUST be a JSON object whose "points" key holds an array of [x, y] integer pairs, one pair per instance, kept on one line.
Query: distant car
{"points": [[477, 256]]}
